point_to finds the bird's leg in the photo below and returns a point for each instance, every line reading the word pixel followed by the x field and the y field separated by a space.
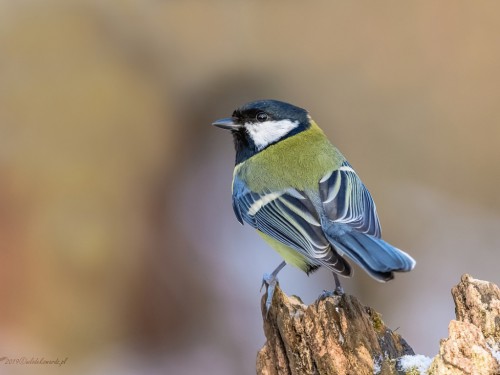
pixel 338 287
pixel 339 291
pixel 270 281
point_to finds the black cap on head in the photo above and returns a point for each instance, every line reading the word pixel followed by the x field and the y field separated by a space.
pixel 274 109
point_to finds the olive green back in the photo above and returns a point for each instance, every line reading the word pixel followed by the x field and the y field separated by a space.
pixel 299 161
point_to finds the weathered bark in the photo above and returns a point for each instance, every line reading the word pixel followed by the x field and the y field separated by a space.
pixel 338 335
pixel 335 335
pixel 474 338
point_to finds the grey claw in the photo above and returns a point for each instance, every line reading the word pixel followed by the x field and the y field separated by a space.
pixel 338 286
pixel 326 294
pixel 270 281
pixel 270 294
pixel 339 291
pixel 265 280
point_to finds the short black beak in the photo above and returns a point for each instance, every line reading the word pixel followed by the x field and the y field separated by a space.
pixel 226 123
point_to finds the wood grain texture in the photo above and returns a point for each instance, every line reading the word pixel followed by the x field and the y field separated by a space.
pixel 337 335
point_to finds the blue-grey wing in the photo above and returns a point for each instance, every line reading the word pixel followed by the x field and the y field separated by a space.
pixel 347 201
pixel 290 217
pixel 351 225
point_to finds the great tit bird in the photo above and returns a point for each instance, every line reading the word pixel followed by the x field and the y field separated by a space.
pixel 303 197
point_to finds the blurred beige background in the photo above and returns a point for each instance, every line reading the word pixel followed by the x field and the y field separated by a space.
pixel 118 245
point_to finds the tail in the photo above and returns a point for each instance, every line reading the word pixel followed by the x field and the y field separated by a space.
pixel 373 254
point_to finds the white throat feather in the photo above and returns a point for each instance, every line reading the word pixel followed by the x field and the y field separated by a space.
pixel 265 133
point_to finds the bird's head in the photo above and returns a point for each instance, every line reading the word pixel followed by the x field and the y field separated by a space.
pixel 260 124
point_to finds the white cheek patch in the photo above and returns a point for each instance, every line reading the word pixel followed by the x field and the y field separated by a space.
pixel 265 133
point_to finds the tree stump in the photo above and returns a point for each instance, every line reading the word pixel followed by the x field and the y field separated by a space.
pixel 474 338
pixel 338 335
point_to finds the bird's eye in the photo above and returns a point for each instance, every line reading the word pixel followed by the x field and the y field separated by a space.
pixel 261 117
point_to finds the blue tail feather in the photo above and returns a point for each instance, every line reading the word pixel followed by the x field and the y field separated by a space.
pixel 373 254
